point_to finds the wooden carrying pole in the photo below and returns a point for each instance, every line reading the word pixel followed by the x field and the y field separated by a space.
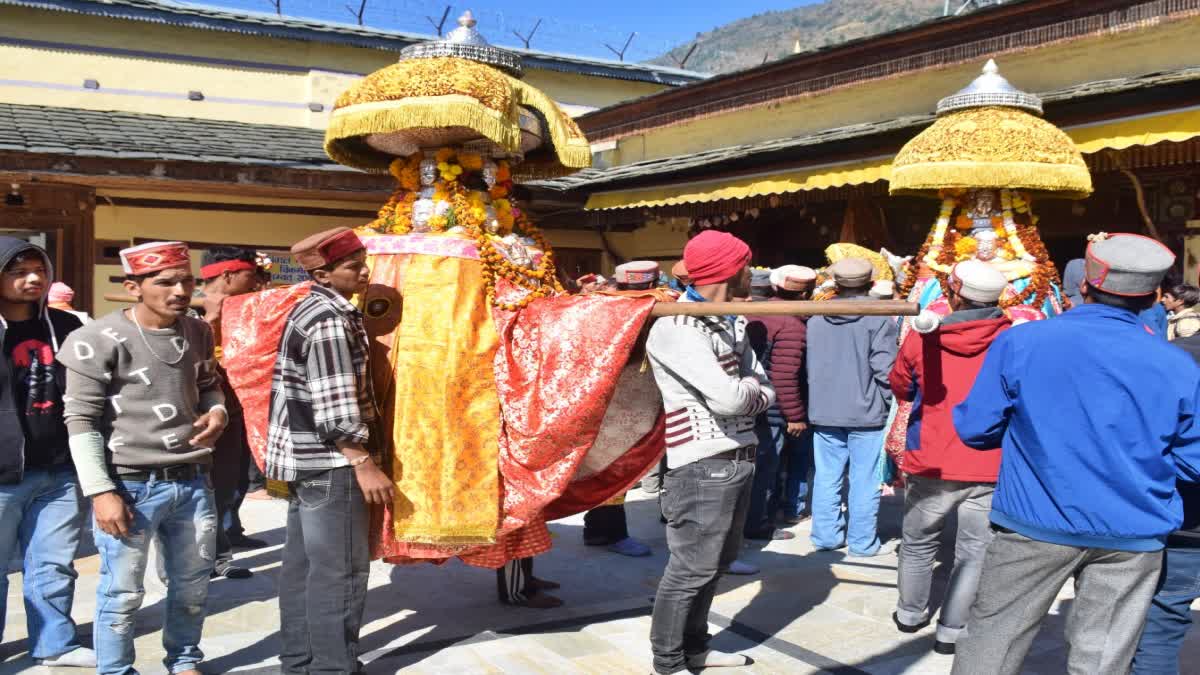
pixel 788 308
pixel 826 308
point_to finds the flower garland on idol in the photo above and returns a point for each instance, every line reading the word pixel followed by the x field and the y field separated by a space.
pixel 1012 244
pixel 457 191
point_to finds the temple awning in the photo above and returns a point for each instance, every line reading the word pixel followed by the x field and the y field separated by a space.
pixel 1169 125
pixel 818 177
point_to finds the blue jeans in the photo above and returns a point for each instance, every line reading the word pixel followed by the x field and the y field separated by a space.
pixel 833 449
pixel 43 514
pixel 1170 614
pixel 796 463
pixel 773 440
pixel 182 515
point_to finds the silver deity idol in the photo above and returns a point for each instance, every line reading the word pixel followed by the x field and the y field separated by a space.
pixel 422 211
pixel 985 248
pixel 429 171
pixel 489 173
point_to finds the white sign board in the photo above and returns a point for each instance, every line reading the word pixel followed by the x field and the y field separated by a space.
pixel 284 270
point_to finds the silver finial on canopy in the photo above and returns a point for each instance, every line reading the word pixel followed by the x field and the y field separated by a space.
pixel 990 89
pixel 466 34
pixel 465 42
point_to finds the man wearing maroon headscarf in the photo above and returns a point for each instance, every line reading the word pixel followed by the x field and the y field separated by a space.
pixel 713 387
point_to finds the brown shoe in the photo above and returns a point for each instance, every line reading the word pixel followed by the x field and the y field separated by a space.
pixel 536 584
pixel 539 601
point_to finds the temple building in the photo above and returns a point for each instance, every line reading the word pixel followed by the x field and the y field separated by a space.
pixel 130 120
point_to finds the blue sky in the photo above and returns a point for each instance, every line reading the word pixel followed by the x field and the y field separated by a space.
pixel 568 26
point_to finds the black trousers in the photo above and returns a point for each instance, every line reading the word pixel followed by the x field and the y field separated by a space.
pixel 512 581
pixel 605 525
pixel 230 479
pixel 323 582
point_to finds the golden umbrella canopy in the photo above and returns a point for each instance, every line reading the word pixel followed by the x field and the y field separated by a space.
pixel 989 135
pixel 460 91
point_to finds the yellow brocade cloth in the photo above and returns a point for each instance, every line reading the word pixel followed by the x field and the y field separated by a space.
pixel 445 415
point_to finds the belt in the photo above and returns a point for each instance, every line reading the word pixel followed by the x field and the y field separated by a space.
pixel 737 454
pixel 176 472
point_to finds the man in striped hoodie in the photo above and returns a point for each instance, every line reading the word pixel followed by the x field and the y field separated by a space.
pixel 712 387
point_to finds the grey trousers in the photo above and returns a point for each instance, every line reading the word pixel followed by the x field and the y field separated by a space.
pixel 705 505
pixel 1021 578
pixel 927 503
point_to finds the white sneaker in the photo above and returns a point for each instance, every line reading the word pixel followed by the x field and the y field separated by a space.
pixel 80 657
pixel 742 568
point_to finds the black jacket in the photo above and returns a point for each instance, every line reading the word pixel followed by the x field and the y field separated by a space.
pixel 59 324
pixel 1188 535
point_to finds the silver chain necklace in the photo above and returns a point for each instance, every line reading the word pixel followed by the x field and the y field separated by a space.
pixel 133 314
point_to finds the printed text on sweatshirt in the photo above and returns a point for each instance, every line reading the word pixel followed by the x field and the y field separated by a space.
pixel 119 385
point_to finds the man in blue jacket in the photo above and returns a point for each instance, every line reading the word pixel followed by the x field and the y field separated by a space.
pixel 849 359
pixel 1097 418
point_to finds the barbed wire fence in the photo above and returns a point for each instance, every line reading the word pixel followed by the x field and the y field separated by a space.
pixel 500 28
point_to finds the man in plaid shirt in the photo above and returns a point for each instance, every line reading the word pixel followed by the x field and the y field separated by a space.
pixel 322 409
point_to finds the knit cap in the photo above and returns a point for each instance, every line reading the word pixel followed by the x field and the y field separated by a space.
pixel 60 293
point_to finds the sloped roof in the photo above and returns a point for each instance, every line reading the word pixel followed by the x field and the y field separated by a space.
pixel 207 17
pixel 122 135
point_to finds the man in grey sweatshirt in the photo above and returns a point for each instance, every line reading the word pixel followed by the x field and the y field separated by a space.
pixel 144 407
pixel 712 387
pixel 849 359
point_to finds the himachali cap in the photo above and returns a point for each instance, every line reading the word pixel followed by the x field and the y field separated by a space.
pixel 852 272
pixel 155 256
pixel 760 277
pixel 978 281
pixel 637 272
pixel 326 247
pixel 1126 264
pixel 793 277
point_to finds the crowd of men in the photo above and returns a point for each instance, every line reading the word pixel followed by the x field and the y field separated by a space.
pixel 1065 449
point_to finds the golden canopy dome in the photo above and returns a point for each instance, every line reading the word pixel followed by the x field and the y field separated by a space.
pixel 454 93
pixel 985 137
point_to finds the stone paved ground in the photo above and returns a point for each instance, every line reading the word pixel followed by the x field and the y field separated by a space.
pixel 807 612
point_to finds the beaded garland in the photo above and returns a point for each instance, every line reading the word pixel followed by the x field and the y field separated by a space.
pixel 469 211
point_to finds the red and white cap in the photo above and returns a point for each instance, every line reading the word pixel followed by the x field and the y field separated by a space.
pixel 326 247
pixel 637 272
pixel 155 256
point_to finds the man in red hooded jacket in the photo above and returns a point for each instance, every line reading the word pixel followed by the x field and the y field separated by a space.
pixel 936 371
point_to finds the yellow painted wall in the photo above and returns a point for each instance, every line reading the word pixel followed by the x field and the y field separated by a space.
pixel 663 237
pixel 160 86
pixel 1150 49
